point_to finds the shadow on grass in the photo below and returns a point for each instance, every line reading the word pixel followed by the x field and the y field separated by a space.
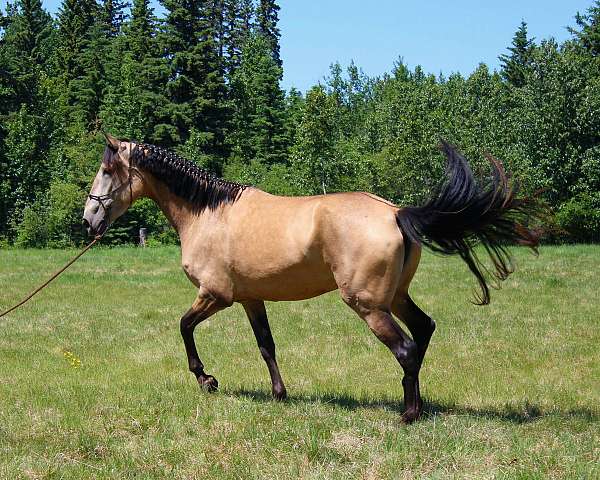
pixel 518 414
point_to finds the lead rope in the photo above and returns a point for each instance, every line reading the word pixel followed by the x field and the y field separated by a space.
pixel 100 199
pixel 56 274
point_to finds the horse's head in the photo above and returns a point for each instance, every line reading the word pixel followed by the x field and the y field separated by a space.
pixel 115 187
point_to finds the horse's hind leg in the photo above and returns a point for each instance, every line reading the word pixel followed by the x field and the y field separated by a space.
pixel 420 325
pixel 257 315
pixel 385 328
pixel 203 307
pixel 404 349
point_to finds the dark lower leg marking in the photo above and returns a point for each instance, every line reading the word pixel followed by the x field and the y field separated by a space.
pixel 260 326
pixel 201 310
pixel 420 325
pixel 406 352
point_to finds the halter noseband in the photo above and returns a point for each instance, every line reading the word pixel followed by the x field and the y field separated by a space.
pixel 108 196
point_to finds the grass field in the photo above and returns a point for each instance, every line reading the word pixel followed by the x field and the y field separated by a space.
pixel 94 380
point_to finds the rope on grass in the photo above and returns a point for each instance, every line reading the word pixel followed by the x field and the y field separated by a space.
pixel 56 274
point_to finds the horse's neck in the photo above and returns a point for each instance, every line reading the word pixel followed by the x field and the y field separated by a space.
pixel 178 211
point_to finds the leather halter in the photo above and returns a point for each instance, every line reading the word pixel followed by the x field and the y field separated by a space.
pixel 108 196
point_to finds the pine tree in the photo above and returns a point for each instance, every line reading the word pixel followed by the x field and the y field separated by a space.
pixel 114 16
pixel 588 33
pixel 177 38
pixel 25 125
pixel 32 26
pixel 75 18
pixel 141 30
pixel 259 115
pixel 267 17
pixel 25 39
pixel 231 45
pixel 133 104
pixel 247 12
pixel 218 26
pixel 86 91
pixel 81 57
pixel 238 24
pixel 196 87
pixel 211 114
pixel 515 65
pixel 111 22
pixel 259 130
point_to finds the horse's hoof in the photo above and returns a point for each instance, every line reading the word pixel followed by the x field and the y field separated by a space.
pixel 280 395
pixel 208 383
pixel 410 416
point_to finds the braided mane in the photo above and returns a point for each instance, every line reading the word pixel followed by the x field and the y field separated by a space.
pixel 184 178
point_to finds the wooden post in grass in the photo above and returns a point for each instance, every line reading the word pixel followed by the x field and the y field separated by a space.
pixel 143 234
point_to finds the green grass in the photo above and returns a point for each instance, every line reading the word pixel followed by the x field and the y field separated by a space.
pixel 512 390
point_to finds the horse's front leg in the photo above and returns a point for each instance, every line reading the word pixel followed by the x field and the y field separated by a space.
pixel 203 307
pixel 257 315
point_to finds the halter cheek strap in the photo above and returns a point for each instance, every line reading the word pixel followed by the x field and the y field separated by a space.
pixel 108 196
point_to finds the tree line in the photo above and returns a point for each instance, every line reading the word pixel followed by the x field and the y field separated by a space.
pixel 204 80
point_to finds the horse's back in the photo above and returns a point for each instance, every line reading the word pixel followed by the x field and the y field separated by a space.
pixel 321 222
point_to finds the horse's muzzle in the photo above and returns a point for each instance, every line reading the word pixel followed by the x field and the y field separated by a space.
pixel 93 232
pixel 88 228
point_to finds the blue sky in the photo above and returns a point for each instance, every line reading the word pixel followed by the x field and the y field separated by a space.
pixel 442 36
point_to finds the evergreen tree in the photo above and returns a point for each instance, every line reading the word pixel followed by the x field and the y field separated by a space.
pixel 75 18
pixel 81 56
pixel 141 31
pixel 218 26
pixel 588 33
pixel 516 64
pixel 294 106
pixel 259 115
pixel 31 28
pixel 196 86
pixel 28 28
pixel 133 104
pixel 238 24
pixel 24 126
pixel 114 16
pixel 267 17
pixel 210 109
pixel 87 91
pixel 247 13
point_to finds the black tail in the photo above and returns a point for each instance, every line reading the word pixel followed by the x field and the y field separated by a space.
pixel 465 213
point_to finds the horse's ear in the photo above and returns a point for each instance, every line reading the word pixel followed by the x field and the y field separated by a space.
pixel 108 159
pixel 111 141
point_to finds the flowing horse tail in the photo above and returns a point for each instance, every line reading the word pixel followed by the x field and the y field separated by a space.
pixel 465 213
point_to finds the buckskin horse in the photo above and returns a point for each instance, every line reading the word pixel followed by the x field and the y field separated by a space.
pixel 241 244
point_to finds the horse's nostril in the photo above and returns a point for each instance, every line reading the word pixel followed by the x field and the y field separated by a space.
pixel 88 227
